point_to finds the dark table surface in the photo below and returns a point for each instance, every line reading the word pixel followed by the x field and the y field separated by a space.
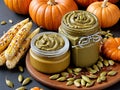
pixel 6 14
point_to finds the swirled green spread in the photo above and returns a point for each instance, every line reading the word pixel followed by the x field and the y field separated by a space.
pixel 79 20
pixel 49 42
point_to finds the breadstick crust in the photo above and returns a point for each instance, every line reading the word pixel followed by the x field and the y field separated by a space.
pixel 17 40
pixel 8 36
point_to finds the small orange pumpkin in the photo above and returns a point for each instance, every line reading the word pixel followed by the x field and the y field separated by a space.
pixel 48 13
pixel 112 1
pixel 108 14
pixel 111 48
pixel 84 3
pixel 18 6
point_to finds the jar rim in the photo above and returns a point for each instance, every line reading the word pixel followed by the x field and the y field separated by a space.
pixel 44 53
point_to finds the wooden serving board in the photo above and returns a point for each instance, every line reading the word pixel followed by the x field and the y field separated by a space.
pixel 44 79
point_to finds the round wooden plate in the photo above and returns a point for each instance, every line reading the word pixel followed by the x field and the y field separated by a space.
pixel 44 79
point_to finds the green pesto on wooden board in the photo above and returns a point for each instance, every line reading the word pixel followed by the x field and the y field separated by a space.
pixel 82 29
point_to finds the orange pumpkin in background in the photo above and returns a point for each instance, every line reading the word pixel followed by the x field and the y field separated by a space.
pixel 112 1
pixel 108 14
pixel 48 13
pixel 84 3
pixel 18 6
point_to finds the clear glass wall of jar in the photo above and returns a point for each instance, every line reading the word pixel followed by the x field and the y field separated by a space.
pixel 49 61
pixel 82 29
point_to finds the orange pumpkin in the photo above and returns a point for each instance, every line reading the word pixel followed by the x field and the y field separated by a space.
pixel 84 3
pixel 18 6
pixel 48 13
pixel 108 14
pixel 111 48
pixel 112 1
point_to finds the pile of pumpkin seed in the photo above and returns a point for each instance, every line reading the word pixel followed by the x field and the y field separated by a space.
pixel 21 79
pixel 87 77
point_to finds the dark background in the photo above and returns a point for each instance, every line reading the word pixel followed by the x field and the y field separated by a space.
pixel 6 14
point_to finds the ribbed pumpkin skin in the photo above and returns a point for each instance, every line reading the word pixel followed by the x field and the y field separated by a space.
pixel 18 6
pixel 85 3
pixel 107 16
pixel 49 16
pixel 111 48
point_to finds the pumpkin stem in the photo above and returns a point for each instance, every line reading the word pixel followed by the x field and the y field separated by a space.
pixel 51 2
pixel 104 3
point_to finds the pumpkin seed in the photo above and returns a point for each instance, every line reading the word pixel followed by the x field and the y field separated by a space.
pixel 26 81
pixel 61 79
pixel 70 79
pixel 77 70
pixel 21 88
pixel 92 76
pixel 20 78
pixel 10 21
pixel 54 77
pixel 111 62
pixel 112 73
pixel 91 70
pixel 69 83
pixel 96 67
pixel 100 64
pixel 3 22
pixel 9 83
pixel 64 74
pixel 98 80
pixel 106 63
pixel 76 83
pixel 83 82
pixel 101 59
pixel 103 78
pixel 69 70
pixel 20 68
pixel 103 73
pixel 90 84
pixel 86 78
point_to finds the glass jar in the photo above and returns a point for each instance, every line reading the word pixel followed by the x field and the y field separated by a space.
pixel 82 29
pixel 49 61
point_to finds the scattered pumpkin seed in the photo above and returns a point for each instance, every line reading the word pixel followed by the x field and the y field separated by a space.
pixel 54 77
pixel 106 63
pixel 104 73
pixel 98 80
pixel 9 83
pixel 83 82
pixel 69 83
pixel 21 88
pixel 20 68
pixel 20 78
pixel 61 79
pixel 112 73
pixel 101 59
pixel 90 84
pixel 92 76
pixel 91 70
pixel 26 81
pixel 103 78
pixel 96 67
pixel 86 78
pixel 77 70
pixel 76 83
pixel 64 74
pixel 69 70
pixel 3 22
pixel 111 62
pixel 100 64
pixel 10 21
pixel 70 79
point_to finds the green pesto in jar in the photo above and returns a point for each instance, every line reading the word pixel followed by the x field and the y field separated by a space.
pixel 49 42
pixel 82 29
